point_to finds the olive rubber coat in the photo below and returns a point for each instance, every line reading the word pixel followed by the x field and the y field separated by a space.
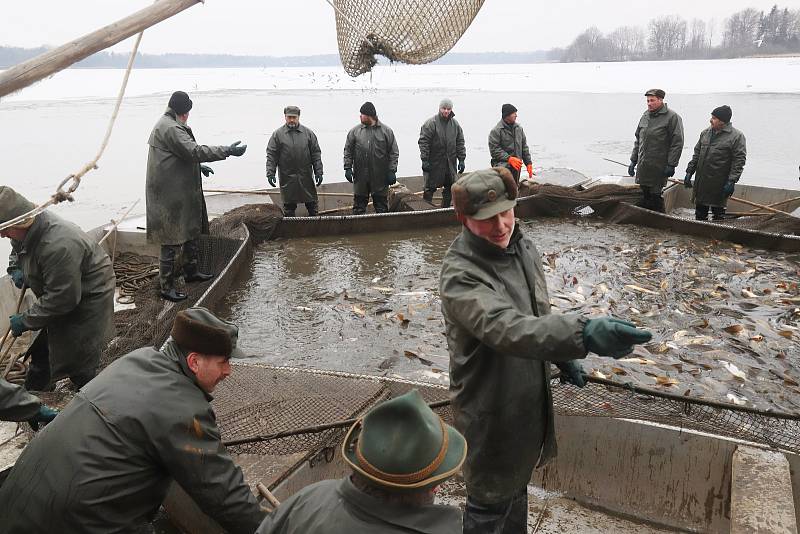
pixel 295 153
pixel 176 208
pixel 441 143
pixel 506 140
pixel 372 153
pixel 659 142
pixel 338 507
pixel 718 158
pixel 501 336
pixel 74 282
pixel 104 465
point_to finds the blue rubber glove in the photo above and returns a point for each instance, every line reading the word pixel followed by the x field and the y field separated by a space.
pixel 348 174
pixel 318 179
pixel 17 276
pixel 461 166
pixel 272 182
pixel 669 171
pixel 687 182
pixel 17 325
pixel 426 166
pixel 391 178
pixel 45 415
pixel 571 373
pixel 206 170
pixel 607 336
pixel 235 149
pixel 728 189
pixel 632 168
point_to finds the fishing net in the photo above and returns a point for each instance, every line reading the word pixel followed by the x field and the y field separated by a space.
pixel 409 31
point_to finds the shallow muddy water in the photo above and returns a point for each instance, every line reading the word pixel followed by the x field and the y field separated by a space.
pixel 725 318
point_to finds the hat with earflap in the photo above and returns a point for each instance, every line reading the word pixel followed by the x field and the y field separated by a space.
pixel 198 330
pixel 12 205
pixel 485 193
pixel 401 444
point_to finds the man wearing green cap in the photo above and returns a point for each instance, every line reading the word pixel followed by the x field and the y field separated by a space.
pixel 106 462
pixel 176 208
pixel 501 336
pixel 293 150
pixel 657 149
pixel 72 277
pixel 719 158
pixel 399 453
pixel 443 153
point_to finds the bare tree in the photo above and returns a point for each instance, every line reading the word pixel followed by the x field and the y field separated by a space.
pixel 591 45
pixel 626 43
pixel 741 29
pixel 667 35
pixel 696 41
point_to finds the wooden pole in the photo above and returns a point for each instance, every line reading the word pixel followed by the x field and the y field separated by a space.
pixel 749 203
pixel 325 212
pixel 781 203
pixel 259 192
pixel 44 65
pixel 116 223
pixel 13 339
pixel 262 489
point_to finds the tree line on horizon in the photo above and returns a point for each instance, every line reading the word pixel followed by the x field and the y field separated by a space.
pixel 745 33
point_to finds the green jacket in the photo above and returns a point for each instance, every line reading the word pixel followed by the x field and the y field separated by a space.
pixel 176 208
pixel 659 142
pixel 338 507
pixel 104 465
pixel 371 151
pixel 295 152
pixel 441 143
pixel 74 281
pixel 16 404
pixel 507 140
pixel 718 158
pixel 501 336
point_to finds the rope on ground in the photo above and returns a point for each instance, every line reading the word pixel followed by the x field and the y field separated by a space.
pixel 74 180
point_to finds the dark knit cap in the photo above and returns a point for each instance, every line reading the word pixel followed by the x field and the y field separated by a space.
pixel 180 103
pixel 507 110
pixel 368 109
pixel 198 330
pixel 723 113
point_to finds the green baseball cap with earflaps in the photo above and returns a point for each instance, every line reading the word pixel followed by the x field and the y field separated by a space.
pixel 485 193
pixel 12 204
pixel 402 444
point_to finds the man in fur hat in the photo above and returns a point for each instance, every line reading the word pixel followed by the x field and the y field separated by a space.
pixel 501 338
pixel 508 145
pixel 399 453
pixel 106 462
pixel 443 153
pixel 72 277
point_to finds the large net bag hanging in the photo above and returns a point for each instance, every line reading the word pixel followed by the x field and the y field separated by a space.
pixel 409 31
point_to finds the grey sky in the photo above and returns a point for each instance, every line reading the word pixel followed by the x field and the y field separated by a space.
pixel 302 27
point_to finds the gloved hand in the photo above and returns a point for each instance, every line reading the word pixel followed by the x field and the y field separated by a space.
pixel 235 149
pixel 426 166
pixel 348 174
pixel 461 166
pixel 607 336
pixel 687 182
pixel 318 178
pixel 571 373
pixel 632 168
pixel 206 170
pixel 515 163
pixel 669 171
pixel 272 182
pixel 529 168
pixel 45 415
pixel 17 325
pixel 17 277
pixel 729 188
pixel 391 178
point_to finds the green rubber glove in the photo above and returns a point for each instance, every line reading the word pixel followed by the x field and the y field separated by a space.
pixel 17 277
pixel 613 337
pixel 44 415
pixel 571 373
pixel 235 149
pixel 206 170
pixel 18 326
pixel 348 175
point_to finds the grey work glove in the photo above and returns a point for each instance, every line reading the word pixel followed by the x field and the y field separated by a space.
pixel 632 168
pixel 571 373
pixel 206 170
pixel 607 336
pixel 236 149
pixel 272 182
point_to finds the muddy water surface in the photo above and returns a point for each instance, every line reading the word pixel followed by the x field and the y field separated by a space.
pixel 725 318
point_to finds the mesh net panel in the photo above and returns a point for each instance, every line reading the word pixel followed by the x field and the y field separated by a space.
pixel 409 31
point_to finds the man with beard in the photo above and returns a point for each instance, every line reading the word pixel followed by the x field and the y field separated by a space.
pixel 441 146
pixel 294 151
pixel 508 145
pixel 370 161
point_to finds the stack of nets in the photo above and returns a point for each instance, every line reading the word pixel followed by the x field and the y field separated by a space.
pixel 550 200
pixel 409 31
pixel 260 219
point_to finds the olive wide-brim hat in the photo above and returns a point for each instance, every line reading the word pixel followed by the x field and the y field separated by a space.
pixel 401 444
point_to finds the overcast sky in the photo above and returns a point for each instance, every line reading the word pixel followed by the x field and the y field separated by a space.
pixel 303 27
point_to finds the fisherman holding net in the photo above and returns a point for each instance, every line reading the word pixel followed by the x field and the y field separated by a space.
pixel 501 336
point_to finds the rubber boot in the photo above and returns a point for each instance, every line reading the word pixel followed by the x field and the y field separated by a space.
pixel 166 273
pixel 447 197
pixel 427 195
pixel 38 375
pixel 191 260
pixel 312 208
pixel 381 204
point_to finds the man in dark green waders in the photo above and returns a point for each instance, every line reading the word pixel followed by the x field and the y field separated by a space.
pixel 501 337
pixel 72 277
pixel 106 462
pixel 399 453
pixel 176 208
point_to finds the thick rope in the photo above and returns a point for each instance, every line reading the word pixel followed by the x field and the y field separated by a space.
pixel 75 179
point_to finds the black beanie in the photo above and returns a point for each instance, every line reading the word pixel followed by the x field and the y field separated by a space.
pixel 723 113
pixel 180 103
pixel 507 110
pixel 368 109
